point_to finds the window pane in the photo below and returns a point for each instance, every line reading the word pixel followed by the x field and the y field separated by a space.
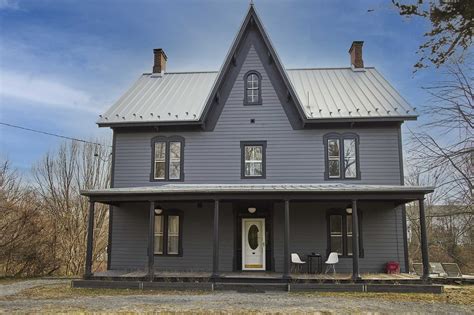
pixel 349 224
pixel 160 151
pixel 349 245
pixel 160 160
pixel 335 224
pixel 175 151
pixel 333 148
pixel 350 164
pixel 160 170
pixel 158 234
pixel 253 153
pixel 350 168
pixel 173 234
pixel 334 168
pixel 336 244
pixel 253 169
pixel 175 170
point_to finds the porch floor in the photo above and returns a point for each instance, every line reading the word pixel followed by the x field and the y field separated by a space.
pixel 124 275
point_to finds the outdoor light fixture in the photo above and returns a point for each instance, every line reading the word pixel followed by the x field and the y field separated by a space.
pixel 158 210
pixel 252 210
pixel 349 210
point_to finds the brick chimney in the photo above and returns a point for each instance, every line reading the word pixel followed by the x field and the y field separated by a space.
pixel 356 55
pixel 159 65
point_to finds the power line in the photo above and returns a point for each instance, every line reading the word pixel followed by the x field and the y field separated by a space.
pixel 49 133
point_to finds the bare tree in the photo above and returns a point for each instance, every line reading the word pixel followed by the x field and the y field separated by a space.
pixel 441 154
pixel 24 234
pixel 59 178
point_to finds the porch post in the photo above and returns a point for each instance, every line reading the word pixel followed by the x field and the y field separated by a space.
pixel 424 241
pixel 151 241
pixel 355 242
pixel 286 250
pixel 215 253
pixel 90 241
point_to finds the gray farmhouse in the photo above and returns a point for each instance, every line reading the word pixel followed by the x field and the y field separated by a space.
pixel 232 171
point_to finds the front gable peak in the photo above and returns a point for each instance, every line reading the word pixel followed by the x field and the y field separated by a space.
pixel 252 27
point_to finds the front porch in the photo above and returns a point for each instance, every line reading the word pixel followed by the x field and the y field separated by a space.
pixel 257 282
pixel 295 220
pixel 254 277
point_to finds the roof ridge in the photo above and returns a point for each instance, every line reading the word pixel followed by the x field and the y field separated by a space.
pixel 324 68
pixel 287 69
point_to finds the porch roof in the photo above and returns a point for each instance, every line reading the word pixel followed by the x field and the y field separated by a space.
pixel 274 191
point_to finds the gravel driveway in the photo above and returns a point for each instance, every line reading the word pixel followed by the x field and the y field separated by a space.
pixel 227 301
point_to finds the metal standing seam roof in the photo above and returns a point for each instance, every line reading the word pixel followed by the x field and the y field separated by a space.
pixel 324 93
pixel 259 188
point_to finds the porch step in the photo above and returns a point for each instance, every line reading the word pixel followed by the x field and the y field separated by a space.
pixel 251 287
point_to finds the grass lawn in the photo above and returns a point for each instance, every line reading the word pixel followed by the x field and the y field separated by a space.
pixel 63 291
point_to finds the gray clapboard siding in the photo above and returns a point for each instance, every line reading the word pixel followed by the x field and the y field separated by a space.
pixel 129 238
pixel 381 232
pixel 293 156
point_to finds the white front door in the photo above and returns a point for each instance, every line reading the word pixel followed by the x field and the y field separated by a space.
pixel 253 244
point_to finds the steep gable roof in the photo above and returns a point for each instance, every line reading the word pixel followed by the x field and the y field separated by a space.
pixel 319 95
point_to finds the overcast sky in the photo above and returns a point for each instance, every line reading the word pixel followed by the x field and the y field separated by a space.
pixel 64 62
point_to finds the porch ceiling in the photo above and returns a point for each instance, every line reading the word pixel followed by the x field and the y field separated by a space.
pixel 401 194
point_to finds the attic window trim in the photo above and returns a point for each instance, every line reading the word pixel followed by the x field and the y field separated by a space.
pixel 167 142
pixel 258 101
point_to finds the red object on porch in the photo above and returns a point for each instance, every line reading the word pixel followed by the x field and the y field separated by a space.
pixel 392 267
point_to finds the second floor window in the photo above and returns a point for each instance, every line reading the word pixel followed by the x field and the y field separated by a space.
pixel 167 160
pixel 342 153
pixel 252 82
pixel 253 159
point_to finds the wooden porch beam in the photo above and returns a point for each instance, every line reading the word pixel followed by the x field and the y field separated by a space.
pixel 286 249
pixel 151 242
pixel 215 252
pixel 355 242
pixel 424 241
pixel 90 241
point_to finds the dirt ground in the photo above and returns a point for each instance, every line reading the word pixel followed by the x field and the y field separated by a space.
pixel 56 296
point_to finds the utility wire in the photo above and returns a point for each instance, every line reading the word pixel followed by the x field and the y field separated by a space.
pixel 49 133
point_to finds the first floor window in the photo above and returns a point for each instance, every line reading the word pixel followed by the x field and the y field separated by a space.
pixel 342 156
pixel 168 234
pixel 340 233
pixel 253 159
pixel 168 159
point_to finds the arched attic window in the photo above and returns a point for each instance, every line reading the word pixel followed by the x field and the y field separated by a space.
pixel 253 88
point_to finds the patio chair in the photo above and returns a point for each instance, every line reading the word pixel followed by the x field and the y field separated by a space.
pixel 436 270
pixel 296 262
pixel 452 270
pixel 333 259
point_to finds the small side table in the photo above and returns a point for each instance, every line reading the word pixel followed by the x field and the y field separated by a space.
pixel 318 259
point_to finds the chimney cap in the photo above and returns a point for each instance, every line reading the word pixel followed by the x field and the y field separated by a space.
pixel 356 43
pixel 160 51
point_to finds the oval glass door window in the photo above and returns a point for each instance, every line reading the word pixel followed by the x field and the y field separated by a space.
pixel 253 237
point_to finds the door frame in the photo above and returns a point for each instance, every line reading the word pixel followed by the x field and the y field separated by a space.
pixel 244 241
pixel 264 210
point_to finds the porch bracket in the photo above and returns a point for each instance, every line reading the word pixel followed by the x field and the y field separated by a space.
pixel 90 241
pixel 355 243
pixel 151 242
pixel 424 241
pixel 286 249
pixel 215 252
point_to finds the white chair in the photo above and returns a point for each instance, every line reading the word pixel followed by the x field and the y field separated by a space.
pixel 297 262
pixel 333 259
